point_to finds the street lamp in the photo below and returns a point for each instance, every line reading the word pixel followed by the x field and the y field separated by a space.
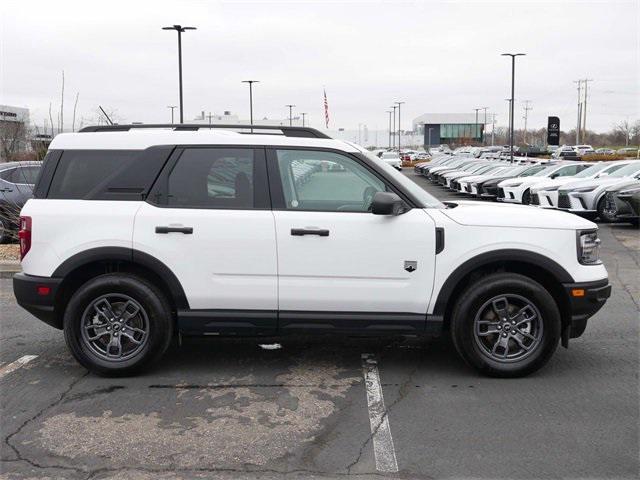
pixel 290 114
pixel 485 125
pixel 389 112
pixel 304 114
pixel 399 129
pixel 394 124
pixel 172 107
pixel 180 29
pixel 513 80
pixel 251 82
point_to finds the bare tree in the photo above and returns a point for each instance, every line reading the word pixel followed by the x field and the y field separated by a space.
pixel 75 106
pixel 624 128
pixel 61 128
pixel 13 137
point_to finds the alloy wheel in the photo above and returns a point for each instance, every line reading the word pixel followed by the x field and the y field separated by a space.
pixel 508 328
pixel 115 327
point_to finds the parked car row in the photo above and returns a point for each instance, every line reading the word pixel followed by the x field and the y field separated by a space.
pixel 605 190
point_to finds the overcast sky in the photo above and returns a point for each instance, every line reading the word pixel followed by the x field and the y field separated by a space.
pixel 436 56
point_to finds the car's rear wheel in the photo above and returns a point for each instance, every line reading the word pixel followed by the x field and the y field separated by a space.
pixel 117 324
pixel 506 326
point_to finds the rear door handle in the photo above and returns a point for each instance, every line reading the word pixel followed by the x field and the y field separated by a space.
pixel 298 232
pixel 185 230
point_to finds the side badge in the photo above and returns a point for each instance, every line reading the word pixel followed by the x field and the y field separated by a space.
pixel 410 265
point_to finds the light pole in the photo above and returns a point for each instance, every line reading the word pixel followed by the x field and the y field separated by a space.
pixel 399 129
pixel 180 29
pixel 172 107
pixel 485 125
pixel 513 81
pixel 251 82
pixel 509 122
pixel 304 114
pixel 476 132
pixel 394 125
pixel 290 114
pixel 389 112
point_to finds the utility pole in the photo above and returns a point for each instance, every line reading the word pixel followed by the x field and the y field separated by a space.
pixel 290 114
pixel 389 112
pixel 579 82
pixel 209 117
pixel 493 128
pixel 394 125
pixel 584 110
pixel 303 115
pixel 525 116
pixel 399 129
pixel 180 29
pixel 172 107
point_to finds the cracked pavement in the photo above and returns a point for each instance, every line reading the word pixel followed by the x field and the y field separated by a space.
pixel 226 408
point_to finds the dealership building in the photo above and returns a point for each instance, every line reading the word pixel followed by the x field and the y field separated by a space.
pixel 451 128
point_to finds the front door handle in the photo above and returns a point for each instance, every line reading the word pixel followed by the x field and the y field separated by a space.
pixel 185 230
pixel 298 232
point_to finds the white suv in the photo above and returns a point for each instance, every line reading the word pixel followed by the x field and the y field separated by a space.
pixel 139 234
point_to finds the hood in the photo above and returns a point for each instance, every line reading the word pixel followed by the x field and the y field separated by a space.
pixel 523 180
pixel 519 216
pixel 549 183
pixel 476 178
pixel 591 182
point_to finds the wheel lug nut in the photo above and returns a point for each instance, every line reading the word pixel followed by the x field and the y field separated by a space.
pixel 504 334
pixel 499 327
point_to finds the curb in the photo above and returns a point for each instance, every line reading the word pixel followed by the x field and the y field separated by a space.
pixel 8 273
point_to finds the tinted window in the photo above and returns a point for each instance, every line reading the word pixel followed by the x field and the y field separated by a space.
pixel 26 175
pixel 570 170
pixel 326 181
pixel 81 171
pixel 213 178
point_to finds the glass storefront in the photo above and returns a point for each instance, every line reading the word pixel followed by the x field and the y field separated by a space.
pixel 461 130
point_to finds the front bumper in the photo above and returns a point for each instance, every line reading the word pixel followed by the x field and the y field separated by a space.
pixel 585 299
pixel 30 294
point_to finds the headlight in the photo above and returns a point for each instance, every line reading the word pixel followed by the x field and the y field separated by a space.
pixel 514 185
pixel 550 189
pixel 588 247
pixel 584 189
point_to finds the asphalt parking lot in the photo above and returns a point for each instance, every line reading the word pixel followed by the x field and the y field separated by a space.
pixel 306 407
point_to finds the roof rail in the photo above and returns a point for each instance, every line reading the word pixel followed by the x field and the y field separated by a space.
pixel 244 129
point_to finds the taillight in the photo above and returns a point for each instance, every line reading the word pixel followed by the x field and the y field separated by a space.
pixel 24 234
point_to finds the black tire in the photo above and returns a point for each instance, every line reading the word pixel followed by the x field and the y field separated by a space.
pixel 154 317
pixel 604 214
pixel 466 317
pixel 4 234
pixel 526 197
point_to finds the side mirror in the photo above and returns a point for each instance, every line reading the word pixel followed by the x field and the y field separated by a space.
pixel 386 203
pixel 555 175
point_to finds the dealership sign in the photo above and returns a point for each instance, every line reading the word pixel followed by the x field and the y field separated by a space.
pixel 553 131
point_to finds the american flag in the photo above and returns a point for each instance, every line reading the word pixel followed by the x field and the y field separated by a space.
pixel 326 109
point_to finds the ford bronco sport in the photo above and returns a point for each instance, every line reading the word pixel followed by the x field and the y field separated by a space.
pixel 139 233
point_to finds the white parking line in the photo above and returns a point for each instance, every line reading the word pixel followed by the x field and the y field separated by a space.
pixel 7 369
pixel 383 448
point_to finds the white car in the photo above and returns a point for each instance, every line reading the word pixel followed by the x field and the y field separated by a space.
pixel 518 190
pixel 545 194
pixel 137 235
pixel 584 149
pixel 393 159
pixel 587 197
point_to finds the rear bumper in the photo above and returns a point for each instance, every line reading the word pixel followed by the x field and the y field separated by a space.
pixel 585 299
pixel 30 294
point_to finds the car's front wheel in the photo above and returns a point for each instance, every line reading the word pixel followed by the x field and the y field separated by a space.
pixel 605 213
pixel 117 324
pixel 508 325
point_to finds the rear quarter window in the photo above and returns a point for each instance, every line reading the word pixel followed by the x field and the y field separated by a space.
pixel 79 172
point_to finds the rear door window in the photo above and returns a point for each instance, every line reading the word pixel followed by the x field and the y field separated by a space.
pixel 80 171
pixel 215 178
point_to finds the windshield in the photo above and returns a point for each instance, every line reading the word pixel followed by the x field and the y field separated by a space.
pixel 627 171
pixel 409 185
pixel 592 170
pixel 529 171
pixel 544 172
